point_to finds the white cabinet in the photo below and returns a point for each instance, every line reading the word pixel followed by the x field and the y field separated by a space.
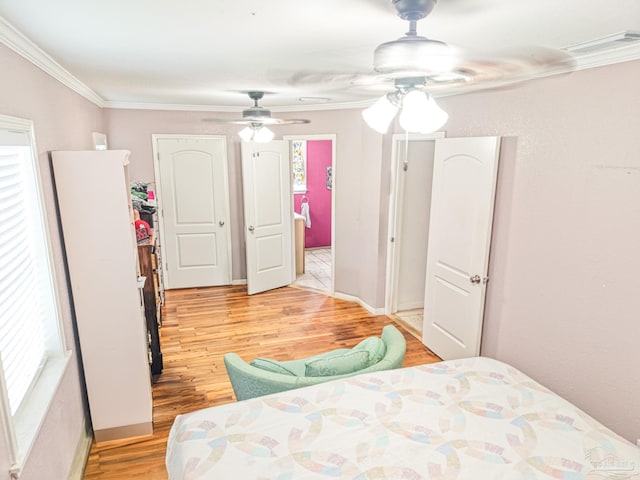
pixel 97 223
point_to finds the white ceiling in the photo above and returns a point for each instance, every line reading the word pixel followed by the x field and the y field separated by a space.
pixel 207 52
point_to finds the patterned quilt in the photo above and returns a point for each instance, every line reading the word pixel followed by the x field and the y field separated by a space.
pixel 466 419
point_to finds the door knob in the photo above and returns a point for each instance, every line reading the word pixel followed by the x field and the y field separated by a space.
pixel 221 223
pixel 251 229
pixel 475 279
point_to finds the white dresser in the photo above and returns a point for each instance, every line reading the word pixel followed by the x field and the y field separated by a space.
pixel 97 223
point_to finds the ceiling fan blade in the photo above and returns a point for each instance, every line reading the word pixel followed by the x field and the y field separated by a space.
pixel 462 71
pixel 256 116
pixel 466 70
pixel 331 80
pixel 512 66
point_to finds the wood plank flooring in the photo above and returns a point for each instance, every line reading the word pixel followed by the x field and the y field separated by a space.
pixel 202 324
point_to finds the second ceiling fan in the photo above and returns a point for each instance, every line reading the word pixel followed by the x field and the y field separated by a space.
pixel 256 119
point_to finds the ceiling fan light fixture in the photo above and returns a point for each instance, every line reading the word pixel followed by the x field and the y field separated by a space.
pixel 263 135
pixel 379 115
pixel 246 134
pixel 256 133
pixel 420 113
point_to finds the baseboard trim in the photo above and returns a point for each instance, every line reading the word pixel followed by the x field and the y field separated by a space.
pixel 410 306
pixel 359 301
pixel 82 454
pixel 242 281
pixel 123 432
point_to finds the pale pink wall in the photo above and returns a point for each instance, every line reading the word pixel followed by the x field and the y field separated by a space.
pixel 319 153
pixel 132 129
pixel 62 120
pixel 563 302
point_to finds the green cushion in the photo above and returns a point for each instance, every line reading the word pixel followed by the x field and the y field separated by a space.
pixel 349 362
pixel 296 367
pixel 271 366
pixel 375 347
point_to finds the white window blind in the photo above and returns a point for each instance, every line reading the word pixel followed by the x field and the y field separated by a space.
pixel 33 358
pixel 23 294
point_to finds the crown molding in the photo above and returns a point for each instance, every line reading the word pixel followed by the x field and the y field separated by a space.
pixel 20 44
pixel 168 106
pixel 234 109
pixel 621 54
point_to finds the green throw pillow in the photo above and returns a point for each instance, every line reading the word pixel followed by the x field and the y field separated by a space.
pixel 270 366
pixel 349 362
pixel 374 346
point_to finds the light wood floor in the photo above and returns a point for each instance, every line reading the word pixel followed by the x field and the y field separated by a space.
pixel 201 325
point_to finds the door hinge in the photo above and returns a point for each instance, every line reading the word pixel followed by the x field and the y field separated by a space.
pixel 393 239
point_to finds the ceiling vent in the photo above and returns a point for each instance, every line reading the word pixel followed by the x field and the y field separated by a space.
pixel 609 42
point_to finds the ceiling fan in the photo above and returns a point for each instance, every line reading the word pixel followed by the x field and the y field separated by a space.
pixel 440 64
pixel 414 67
pixel 256 118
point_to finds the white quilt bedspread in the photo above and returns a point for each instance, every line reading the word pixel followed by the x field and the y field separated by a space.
pixel 467 419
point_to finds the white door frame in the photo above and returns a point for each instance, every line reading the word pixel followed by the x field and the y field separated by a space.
pixel 395 214
pixel 158 185
pixel 332 137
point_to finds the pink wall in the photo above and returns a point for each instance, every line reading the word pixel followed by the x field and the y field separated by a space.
pixel 63 120
pixel 319 153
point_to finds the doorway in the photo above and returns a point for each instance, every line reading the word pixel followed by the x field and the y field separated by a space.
pixel 440 221
pixel 412 173
pixel 313 160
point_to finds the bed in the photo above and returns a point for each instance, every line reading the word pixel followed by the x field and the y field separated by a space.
pixel 475 419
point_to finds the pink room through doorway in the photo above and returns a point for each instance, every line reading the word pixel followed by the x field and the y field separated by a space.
pixel 317 195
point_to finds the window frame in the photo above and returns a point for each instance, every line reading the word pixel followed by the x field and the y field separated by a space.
pixel 21 429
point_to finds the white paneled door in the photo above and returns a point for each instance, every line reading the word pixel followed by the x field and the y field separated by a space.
pixel 268 215
pixel 194 201
pixel 464 182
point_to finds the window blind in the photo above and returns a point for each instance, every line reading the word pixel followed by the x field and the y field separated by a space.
pixel 22 242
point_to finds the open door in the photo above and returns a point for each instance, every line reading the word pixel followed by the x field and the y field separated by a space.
pixel 464 182
pixel 268 215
